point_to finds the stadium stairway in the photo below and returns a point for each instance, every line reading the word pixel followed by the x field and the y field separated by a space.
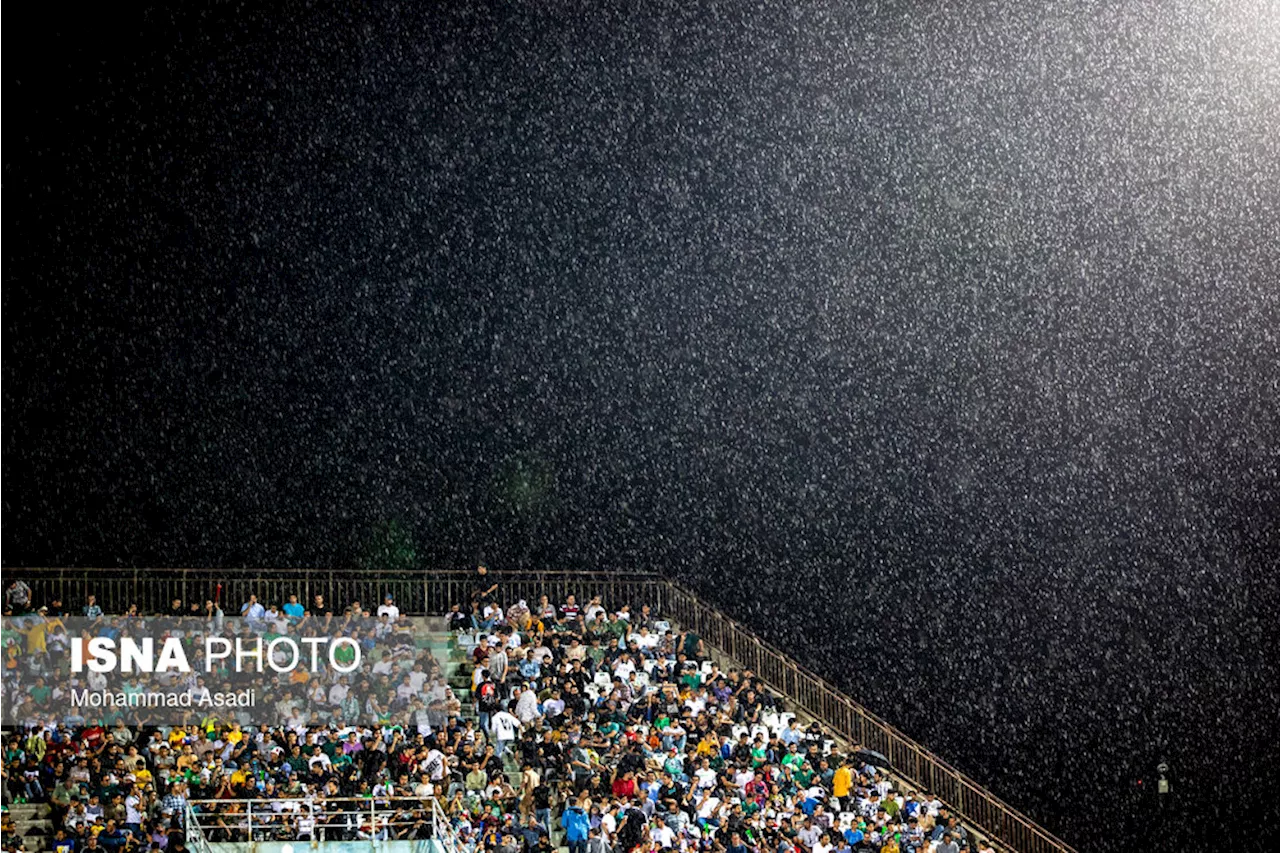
pixel 31 823
pixel 456 665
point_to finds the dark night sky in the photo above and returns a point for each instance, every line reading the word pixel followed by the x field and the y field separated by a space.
pixel 962 325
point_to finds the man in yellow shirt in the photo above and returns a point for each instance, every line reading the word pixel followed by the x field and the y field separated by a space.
pixel 842 782
pixel 37 633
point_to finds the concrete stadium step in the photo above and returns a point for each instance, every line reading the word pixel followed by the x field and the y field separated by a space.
pixel 31 820
pixel 28 810
pixel 35 827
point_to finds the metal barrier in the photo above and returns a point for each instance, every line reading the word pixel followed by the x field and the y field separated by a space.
pixel 433 592
pixel 418 593
pixel 318 819
pixel 195 835
pixel 978 806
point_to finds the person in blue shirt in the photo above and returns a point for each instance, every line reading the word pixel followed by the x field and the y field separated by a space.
pixel 576 827
pixel 112 838
pixel 294 610
pixel 530 667
pixel 92 610
pixel 253 611
pixel 63 844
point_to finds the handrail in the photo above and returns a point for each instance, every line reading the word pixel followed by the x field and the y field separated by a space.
pixel 443 829
pixel 194 832
pixel 825 702
pixel 372 813
pixel 432 592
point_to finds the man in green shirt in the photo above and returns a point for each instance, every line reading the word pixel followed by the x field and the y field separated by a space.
pixel 40 693
pixel 803 776
pixel 477 780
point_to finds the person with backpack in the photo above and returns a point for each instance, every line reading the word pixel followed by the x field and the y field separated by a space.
pixel 486 701
pixel 631 832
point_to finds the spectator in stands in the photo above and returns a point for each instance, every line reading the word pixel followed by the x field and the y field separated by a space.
pixel 506 728
pixel 293 610
pixel 17 598
pixel 486 587
pixel 253 613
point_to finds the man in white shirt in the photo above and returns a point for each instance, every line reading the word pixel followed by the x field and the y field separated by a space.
pixel 319 760
pixel 645 641
pixel 554 706
pixel 624 667
pixel 133 812
pixel 405 690
pixel 388 608
pixel 662 836
pixel 505 728
pixel 433 766
pixel 384 665
pixel 526 705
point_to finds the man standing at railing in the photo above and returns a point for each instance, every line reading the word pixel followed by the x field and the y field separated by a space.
pixel 92 611
pixel 322 614
pixel 17 598
pixel 253 612
pixel 486 588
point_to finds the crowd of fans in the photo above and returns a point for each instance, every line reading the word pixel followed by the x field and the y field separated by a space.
pixel 596 730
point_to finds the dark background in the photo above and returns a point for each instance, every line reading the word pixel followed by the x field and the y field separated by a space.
pixel 939 346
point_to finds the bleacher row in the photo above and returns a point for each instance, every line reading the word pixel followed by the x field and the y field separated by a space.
pixel 849 826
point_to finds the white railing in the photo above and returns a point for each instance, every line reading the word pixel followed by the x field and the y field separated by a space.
pixel 443 829
pixel 195 836
pixel 316 819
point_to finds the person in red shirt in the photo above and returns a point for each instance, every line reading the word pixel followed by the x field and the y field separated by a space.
pixel 624 786
pixel 93 736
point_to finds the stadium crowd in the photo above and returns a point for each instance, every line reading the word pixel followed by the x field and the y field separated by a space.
pixel 595 730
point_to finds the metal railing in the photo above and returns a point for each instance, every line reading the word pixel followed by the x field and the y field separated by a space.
pixel 909 760
pixel 417 593
pixel 316 819
pixel 195 835
pixel 433 592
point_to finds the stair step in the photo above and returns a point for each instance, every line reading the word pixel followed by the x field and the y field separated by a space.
pixel 22 810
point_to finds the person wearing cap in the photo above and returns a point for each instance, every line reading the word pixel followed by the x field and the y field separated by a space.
pixel 518 616
pixel 388 608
